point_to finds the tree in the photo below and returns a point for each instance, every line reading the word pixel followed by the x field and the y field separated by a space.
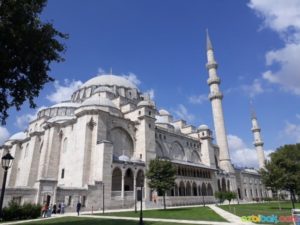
pixel 220 195
pixel 27 47
pixel 283 170
pixel 161 175
pixel 229 195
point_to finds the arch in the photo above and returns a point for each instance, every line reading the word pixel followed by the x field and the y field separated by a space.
pixel 177 151
pixel 195 193
pixel 160 152
pixel 204 192
pixel 140 178
pixel 199 190
pixel 195 158
pixel 228 185
pixel 223 184
pixel 188 189
pixel 116 179
pixel 128 180
pixel 181 189
pixel 122 142
pixel 209 190
pixel 176 190
pixel 219 185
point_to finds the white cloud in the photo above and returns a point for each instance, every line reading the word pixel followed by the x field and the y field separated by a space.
pixel 284 18
pixel 183 113
pixel 241 155
pixel 292 131
pixel 23 120
pixel 4 134
pixel 132 78
pixel 253 89
pixel 101 71
pixel 63 92
pixel 151 93
pixel 198 99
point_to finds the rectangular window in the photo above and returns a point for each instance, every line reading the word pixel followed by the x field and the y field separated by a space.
pixel 62 173
pixel 17 200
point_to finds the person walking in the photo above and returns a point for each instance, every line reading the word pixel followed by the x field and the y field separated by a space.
pixel 62 208
pixel 78 207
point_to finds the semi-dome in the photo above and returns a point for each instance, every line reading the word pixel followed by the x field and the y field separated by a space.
pixel 164 112
pixel 66 104
pixel 98 101
pixel 203 127
pixel 18 136
pixel 109 80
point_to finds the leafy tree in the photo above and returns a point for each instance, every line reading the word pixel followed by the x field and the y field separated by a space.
pixel 161 175
pixel 229 195
pixel 27 47
pixel 220 195
pixel 283 170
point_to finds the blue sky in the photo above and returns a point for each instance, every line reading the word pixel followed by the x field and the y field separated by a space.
pixel 161 46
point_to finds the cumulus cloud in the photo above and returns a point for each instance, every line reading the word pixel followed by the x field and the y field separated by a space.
pixel 242 155
pixel 151 93
pixel 284 18
pixel 253 89
pixel 292 131
pixel 4 134
pixel 198 99
pixel 23 120
pixel 183 113
pixel 63 92
pixel 132 78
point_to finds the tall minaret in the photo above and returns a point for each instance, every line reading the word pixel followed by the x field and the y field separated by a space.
pixel 216 97
pixel 258 143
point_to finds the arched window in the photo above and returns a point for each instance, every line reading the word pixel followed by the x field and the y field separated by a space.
pixel 204 192
pixel 209 190
pixel 181 189
pixel 188 189
pixel 223 184
pixel 122 142
pixel 116 184
pixel 128 180
pixel 195 189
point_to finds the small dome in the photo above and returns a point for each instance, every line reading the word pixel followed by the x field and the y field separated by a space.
pixel 123 158
pixel 98 100
pixel 109 80
pixel 18 136
pixel 66 104
pixel 164 112
pixel 146 103
pixel 203 127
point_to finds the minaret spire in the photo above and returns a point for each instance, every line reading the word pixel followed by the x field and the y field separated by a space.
pixel 208 41
pixel 215 98
pixel 258 143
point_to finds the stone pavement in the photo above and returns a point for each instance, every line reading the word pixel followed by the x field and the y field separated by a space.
pixel 231 218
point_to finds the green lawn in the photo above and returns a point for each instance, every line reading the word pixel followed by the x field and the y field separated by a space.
pixel 267 209
pixel 92 221
pixel 194 213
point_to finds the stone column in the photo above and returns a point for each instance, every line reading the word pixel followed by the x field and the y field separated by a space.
pixel 122 188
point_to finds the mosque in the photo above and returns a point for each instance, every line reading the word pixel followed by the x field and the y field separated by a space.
pixel 96 147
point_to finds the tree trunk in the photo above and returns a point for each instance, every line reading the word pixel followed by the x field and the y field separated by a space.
pixel 292 197
pixel 164 197
pixel 279 206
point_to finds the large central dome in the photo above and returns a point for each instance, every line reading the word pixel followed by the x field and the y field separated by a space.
pixel 109 80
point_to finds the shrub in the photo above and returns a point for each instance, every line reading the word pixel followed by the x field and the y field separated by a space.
pixel 14 211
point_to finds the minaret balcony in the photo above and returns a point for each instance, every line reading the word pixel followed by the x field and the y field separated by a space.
pixel 255 129
pixel 212 65
pixel 213 80
pixel 258 143
pixel 215 95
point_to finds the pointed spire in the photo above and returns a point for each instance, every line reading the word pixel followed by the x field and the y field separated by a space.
pixel 208 42
pixel 252 110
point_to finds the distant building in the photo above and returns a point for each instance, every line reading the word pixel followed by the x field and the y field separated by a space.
pixel 105 137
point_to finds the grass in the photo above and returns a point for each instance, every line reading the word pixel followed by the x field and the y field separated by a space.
pixel 92 221
pixel 267 209
pixel 194 213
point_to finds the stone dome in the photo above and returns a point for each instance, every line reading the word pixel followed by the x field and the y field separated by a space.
pixel 164 112
pixel 109 80
pixel 98 101
pixel 203 127
pixel 146 103
pixel 18 136
pixel 66 104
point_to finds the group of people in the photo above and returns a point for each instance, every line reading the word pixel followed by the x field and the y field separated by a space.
pixel 47 210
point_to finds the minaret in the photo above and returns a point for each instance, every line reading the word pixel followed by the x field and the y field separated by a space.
pixel 216 97
pixel 258 143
